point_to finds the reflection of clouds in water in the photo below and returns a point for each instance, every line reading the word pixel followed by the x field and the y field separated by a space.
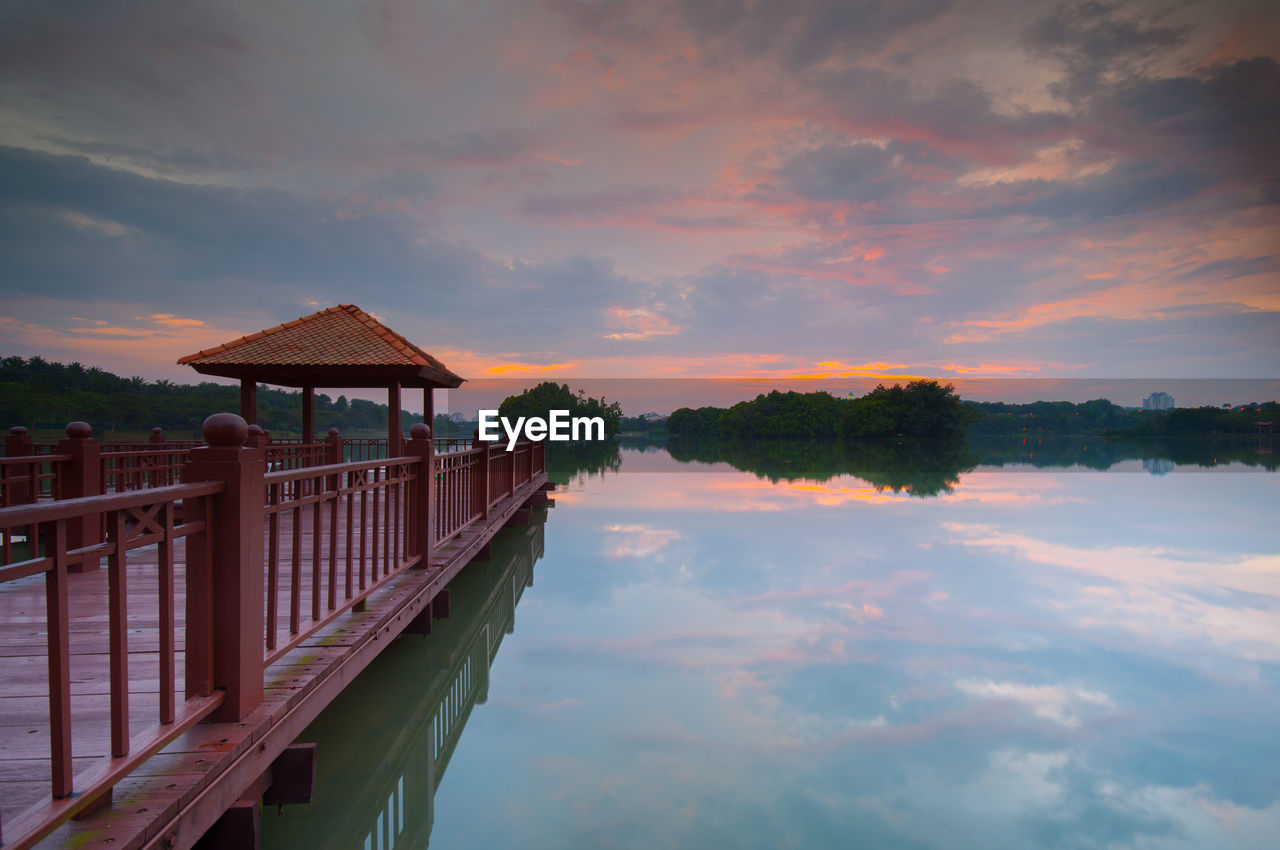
pixel 1064 704
pixel 1163 595
pixel 918 673
pixel 637 540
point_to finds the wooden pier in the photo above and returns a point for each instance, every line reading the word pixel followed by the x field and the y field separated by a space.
pixel 172 615
pixel 153 695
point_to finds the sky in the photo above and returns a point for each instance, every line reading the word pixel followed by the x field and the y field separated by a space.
pixel 765 190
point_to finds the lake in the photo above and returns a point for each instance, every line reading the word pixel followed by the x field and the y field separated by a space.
pixel 1010 645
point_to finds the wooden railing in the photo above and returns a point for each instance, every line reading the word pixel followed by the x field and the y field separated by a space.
pixel 277 554
pixel 142 467
pixel 459 492
pixel 24 480
pixel 296 455
pixel 175 520
pixel 354 519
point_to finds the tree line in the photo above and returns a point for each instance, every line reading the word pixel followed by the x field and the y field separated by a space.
pixel 39 393
pixel 922 408
pixel 43 394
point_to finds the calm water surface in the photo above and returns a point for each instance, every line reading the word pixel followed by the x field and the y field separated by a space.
pixel 1029 657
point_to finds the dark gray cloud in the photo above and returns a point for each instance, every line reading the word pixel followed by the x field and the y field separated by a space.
pixel 863 172
pixel 1225 120
pixel 486 146
pixel 78 231
pixel 116 64
pixel 611 202
pixel 1092 39
pixel 959 113
pixel 802 33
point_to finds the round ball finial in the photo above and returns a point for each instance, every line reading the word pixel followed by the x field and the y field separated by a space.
pixel 420 431
pixel 79 430
pixel 157 430
pixel 333 432
pixel 18 430
pixel 255 429
pixel 225 430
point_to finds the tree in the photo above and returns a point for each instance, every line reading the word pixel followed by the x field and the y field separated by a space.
pixel 548 396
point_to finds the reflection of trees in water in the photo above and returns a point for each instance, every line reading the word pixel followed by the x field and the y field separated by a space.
pixel 918 467
pixel 930 467
pixel 1099 453
pixel 566 461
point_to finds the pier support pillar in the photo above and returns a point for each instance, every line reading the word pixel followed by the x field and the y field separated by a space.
pixel 235 565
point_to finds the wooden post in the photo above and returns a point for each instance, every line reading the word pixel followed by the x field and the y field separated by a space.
pixel 334 454
pixel 249 400
pixel 18 443
pixel 157 435
pixel 257 438
pixel 335 446
pixel 235 561
pixel 482 484
pixel 422 528
pixel 17 491
pixel 429 408
pixel 395 437
pixel 308 412
pixel 80 477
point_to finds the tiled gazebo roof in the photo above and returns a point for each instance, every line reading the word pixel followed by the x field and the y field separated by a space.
pixel 340 346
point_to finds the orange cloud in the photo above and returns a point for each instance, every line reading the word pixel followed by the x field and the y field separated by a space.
pixel 526 368
pixel 638 323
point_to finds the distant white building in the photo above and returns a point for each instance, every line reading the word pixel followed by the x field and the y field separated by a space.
pixel 1158 401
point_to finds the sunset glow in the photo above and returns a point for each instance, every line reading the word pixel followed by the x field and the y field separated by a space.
pixel 619 190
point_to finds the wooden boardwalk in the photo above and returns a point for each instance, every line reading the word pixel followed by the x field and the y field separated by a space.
pixel 175 795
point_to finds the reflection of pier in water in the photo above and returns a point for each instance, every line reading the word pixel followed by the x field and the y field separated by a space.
pixel 385 743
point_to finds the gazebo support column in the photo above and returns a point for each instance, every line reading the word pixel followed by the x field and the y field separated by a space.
pixel 308 413
pixel 249 401
pixel 395 440
pixel 429 408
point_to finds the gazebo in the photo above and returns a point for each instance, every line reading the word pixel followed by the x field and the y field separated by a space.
pixel 340 346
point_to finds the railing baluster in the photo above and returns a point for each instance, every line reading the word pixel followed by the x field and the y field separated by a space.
pixel 59 659
pixel 117 627
pixel 364 531
pixel 349 498
pixel 167 672
pixel 373 479
pixel 333 543
pixel 273 562
pixel 317 560
pixel 295 566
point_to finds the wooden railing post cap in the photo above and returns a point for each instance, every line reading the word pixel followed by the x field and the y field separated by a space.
pixel 420 431
pixel 225 431
pixel 157 434
pixel 18 430
pixel 333 432
pixel 79 430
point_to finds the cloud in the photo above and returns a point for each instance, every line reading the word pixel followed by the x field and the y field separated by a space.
pixel 477 148
pixel 1067 705
pixel 637 540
